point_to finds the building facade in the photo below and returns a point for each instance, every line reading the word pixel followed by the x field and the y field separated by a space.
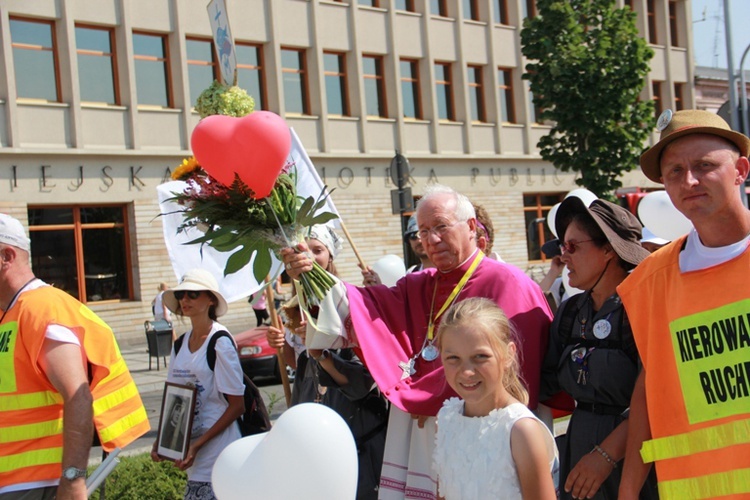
pixel 96 111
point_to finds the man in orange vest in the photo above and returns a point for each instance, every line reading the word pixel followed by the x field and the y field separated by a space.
pixel 61 376
pixel 689 306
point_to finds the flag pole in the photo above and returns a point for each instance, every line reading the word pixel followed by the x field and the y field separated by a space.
pixel 276 322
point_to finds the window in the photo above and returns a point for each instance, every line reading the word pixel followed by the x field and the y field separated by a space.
pixel 372 72
pixel 438 8
pixel 629 4
pixel 407 5
pixel 35 59
pixel 679 101
pixel 294 75
pixel 82 250
pixel 536 206
pixel 152 78
pixel 250 72
pixel 476 94
pixel 412 102
pixel 369 3
pixel 334 66
pixel 471 10
pixel 501 12
pixel 651 16
pixel 505 91
pixel 535 112
pixel 528 8
pixel 444 91
pixel 675 41
pixel 97 69
pixel 202 66
pixel 658 102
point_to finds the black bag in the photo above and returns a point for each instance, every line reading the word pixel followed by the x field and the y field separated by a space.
pixel 255 419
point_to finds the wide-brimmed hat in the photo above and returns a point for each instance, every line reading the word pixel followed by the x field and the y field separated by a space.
pixel 620 227
pixel 687 122
pixel 196 279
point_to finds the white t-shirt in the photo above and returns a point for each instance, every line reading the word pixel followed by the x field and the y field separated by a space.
pixel 191 368
pixel 159 308
pixel 697 256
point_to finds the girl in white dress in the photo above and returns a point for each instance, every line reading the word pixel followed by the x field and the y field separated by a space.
pixel 488 444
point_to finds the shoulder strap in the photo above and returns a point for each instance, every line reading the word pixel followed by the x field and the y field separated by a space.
pixel 211 349
pixel 569 313
pixel 178 343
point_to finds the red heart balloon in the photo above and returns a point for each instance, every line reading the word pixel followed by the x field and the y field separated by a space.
pixel 255 147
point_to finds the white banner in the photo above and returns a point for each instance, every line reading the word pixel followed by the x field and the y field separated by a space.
pixel 185 257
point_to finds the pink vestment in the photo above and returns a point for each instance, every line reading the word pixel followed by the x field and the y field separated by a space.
pixel 390 325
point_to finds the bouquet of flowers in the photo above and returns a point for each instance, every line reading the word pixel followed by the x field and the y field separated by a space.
pixel 235 219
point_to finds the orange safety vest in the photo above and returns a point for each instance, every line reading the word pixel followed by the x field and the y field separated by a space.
pixel 693 335
pixel 31 410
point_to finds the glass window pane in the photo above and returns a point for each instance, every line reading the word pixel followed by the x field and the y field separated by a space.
pixel 293 93
pixel 369 66
pixel 332 63
pixel 533 241
pixel 549 200
pixel 54 258
pixel 96 78
pixel 335 95
pixel 247 54
pixel 31 33
pixel 437 7
pixel 148 45
pixel 105 265
pixel 199 79
pixel 372 97
pixel 35 74
pixel 199 50
pixel 441 72
pixel 529 200
pixel 94 215
pixel 290 59
pixel 50 216
pixel 409 96
pixel 443 99
pixel 93 39
pixel 151 82
pixel 249 79
pixel 406 69
pixel 474 100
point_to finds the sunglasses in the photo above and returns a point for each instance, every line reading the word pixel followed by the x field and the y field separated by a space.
pixel 413 236
pixel 192 294
pixel 571 246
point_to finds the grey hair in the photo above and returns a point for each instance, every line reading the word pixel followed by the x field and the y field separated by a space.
pixel 464 208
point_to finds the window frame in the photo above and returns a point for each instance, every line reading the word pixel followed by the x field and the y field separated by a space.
pixel 214 63
pixel 539 210
pixel 478 89
pixel 674 31
pixel 343 78
pixel 530 8
pixel 448 84
pixel 415 84
pixel 652 28
pixel 164 60
pixel 442 6
pixel 112 56
pixel 78 227
pixel 501 13
pixel 509 90
pixel 370 3
pixel 260 68
pixel 473 10
pixel 379 77
pixel 409 4
pixel 679 96
pixel 304 79
pixel 53 49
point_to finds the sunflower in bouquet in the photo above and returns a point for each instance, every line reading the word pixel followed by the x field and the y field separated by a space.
pixel 234 210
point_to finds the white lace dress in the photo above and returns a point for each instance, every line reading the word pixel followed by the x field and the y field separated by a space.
pixel 472 454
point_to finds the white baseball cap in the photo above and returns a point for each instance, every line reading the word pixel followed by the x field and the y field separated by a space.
pixel 13 233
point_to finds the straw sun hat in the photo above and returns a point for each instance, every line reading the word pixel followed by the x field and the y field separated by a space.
pixel 196 279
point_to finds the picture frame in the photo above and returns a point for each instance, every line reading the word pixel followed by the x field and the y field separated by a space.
pixel 175 421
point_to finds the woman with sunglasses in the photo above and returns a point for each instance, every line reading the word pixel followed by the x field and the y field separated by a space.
pixel 591 354
pixel 219 400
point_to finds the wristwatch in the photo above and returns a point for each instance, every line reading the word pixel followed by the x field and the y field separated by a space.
pixel 73 473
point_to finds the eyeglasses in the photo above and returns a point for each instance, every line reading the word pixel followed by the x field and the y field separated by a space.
pixel 192 294
pixel 571 246
pixel 440 230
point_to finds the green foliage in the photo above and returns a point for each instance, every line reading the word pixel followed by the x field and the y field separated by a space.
pixel 218 99
pixel 139 477
pixel 588 67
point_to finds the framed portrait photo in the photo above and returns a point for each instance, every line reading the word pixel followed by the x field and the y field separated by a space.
pixel 176 421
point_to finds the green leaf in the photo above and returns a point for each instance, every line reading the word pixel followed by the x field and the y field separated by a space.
pixel 237 261
pixel 262 264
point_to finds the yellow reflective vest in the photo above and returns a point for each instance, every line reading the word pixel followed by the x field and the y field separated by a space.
pixel 31 410
pixel 693 335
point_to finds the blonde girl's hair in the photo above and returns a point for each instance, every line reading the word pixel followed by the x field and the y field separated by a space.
pixel 484 315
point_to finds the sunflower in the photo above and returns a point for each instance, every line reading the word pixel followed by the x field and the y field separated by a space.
pixel 183 171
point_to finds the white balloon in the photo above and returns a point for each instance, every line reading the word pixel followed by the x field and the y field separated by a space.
pixel 584 194
pixel 390 269
pixel 309 453
pixel 569 290
pixel 551 219
pixel 658 213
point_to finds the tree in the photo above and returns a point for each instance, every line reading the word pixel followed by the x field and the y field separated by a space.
pixel 588 67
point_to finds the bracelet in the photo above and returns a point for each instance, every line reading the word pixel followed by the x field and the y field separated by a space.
pixel 604 454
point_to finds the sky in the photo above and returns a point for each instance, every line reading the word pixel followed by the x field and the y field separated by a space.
pixel 709 41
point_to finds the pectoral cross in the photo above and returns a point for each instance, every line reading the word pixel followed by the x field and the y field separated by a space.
pixel 408 368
